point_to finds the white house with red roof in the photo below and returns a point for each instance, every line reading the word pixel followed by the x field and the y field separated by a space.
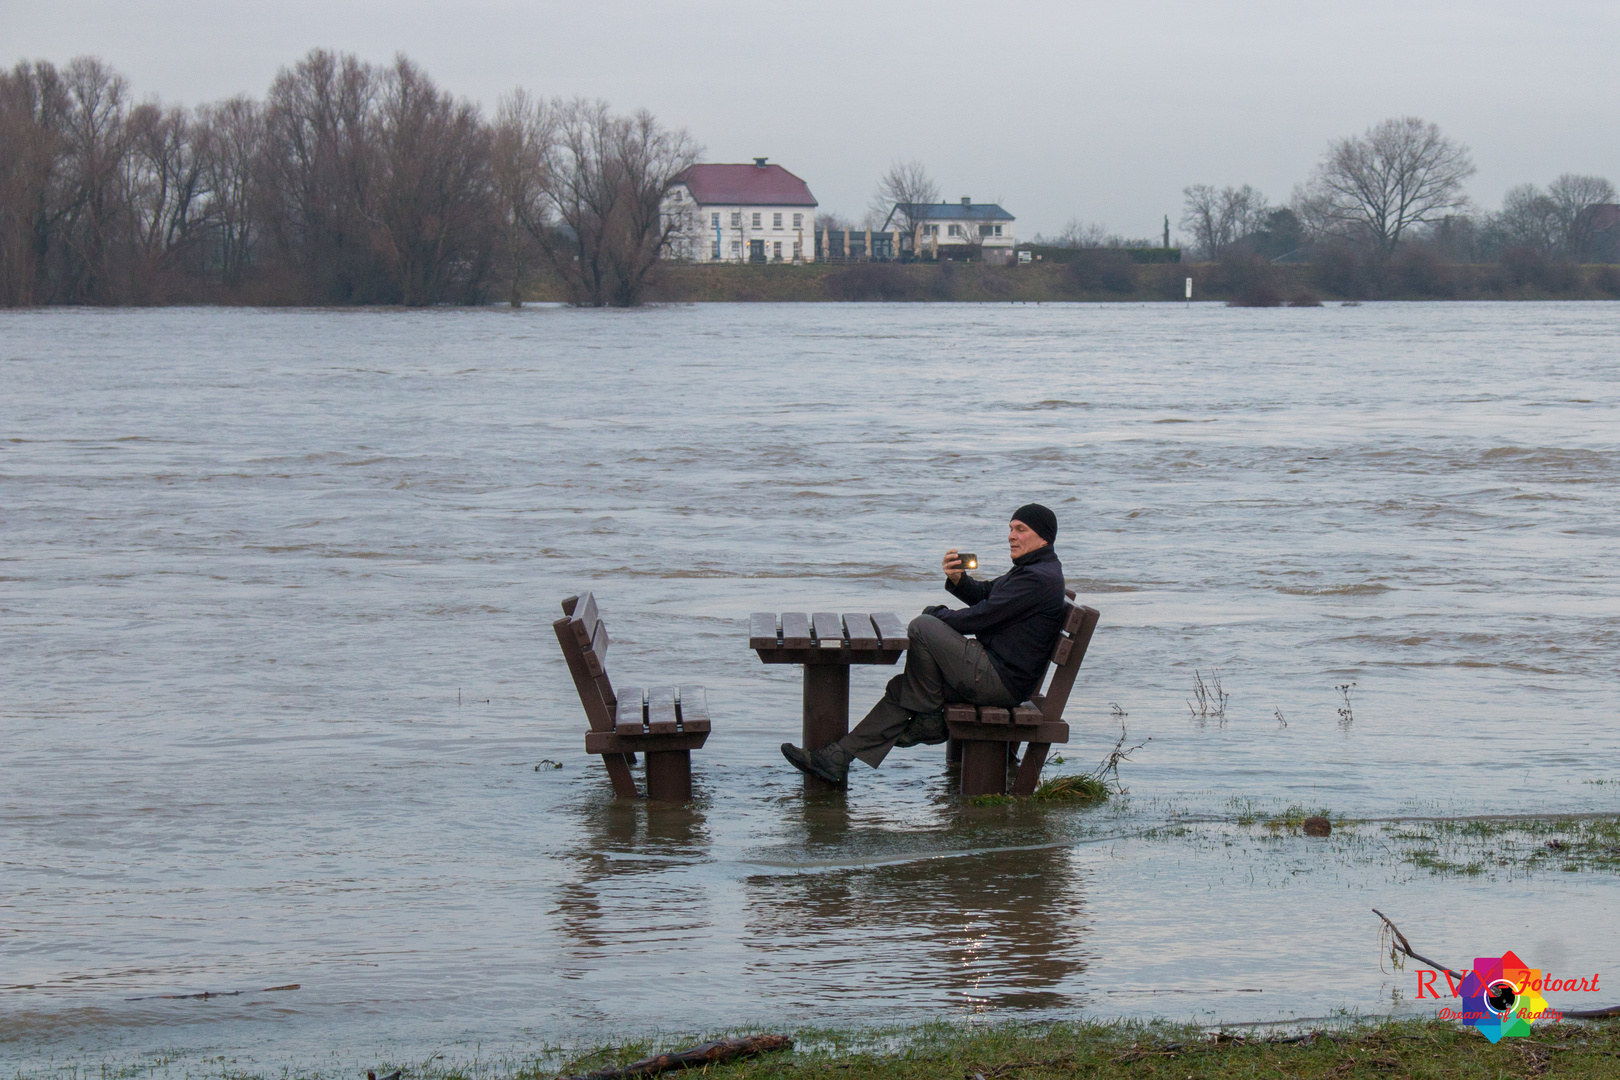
pixel 741 213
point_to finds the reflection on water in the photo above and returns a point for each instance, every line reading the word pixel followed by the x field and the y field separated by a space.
pixel 992 929
pixel 276 589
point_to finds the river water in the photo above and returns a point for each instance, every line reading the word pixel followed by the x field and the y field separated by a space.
pixel 280 694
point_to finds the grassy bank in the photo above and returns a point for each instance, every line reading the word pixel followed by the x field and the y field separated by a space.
pixel 1034 1052
pixel 1340 1049
pixel 1105 280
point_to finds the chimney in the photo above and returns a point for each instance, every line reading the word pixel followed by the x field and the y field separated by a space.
pixel 759 163
pixel 966 201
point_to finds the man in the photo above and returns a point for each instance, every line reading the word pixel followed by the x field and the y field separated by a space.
pixel 1015 620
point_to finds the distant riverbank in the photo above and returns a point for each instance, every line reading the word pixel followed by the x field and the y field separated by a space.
pixel 1105 279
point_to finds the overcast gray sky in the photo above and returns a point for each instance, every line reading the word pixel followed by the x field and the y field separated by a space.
pixel 1097 111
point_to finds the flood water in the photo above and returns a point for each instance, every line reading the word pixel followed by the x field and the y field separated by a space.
pixel 280 695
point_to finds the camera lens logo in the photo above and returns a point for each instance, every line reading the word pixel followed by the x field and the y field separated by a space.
pixel 1501 996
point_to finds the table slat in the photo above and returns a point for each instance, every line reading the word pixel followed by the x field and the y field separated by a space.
pixel 694 706
pixel 829 629
pixel 795 630
pixel 762 630
pixel 858 627
pixel 890 628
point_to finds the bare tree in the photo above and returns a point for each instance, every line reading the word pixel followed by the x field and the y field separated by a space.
pixel 164 192
pixel 608 185
pixel 1375 186
pixel 317 177
pixel 230 142
pixel 35 198
pixel 520 160
pixel 1573 198
pixel 431 193
pixel 905 192
pixel 1528 219
pixel 1218 220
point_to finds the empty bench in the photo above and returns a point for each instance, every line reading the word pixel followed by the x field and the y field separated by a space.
pixel 984 737
pixel 666 723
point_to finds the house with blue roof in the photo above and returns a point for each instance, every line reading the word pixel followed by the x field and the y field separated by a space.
pixel 961 230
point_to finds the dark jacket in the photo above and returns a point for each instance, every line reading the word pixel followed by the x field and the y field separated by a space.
pixel 1017 617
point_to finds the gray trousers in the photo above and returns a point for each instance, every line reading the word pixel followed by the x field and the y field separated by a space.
pixel 941 666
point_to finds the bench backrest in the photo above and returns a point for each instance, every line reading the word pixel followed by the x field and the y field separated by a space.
pixel 584 640
pixel 1079 620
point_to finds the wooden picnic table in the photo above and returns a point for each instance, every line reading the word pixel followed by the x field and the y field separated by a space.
pixel 826 644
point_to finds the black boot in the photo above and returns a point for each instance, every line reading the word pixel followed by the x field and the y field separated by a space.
pixel 830 763
pixel 927 728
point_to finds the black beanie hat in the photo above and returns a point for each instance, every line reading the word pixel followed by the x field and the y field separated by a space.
pixel 1039 518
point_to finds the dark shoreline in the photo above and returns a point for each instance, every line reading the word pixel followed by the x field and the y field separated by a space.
pixel 1245 284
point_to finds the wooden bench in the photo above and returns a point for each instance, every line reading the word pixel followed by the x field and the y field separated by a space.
pixel 984 737
pixel 665 722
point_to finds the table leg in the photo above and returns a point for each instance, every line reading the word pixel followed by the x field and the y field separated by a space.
pixel 826 713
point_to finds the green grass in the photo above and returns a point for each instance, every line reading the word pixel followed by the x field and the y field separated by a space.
pixel 1342 1050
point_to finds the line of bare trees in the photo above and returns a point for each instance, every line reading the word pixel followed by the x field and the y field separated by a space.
pixel 347 184
pixel 1399 184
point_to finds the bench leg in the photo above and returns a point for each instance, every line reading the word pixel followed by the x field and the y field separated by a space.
pixel 984 767
pixel 618 768
pixel 669 775
pixel 1029 770
pixel 953 752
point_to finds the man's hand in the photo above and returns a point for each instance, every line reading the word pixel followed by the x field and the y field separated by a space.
pixel 952 566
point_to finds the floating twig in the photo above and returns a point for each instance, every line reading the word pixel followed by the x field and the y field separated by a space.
pixel 213 994
pixel 1404 946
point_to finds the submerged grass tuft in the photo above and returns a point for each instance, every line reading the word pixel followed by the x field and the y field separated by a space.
pixel 1071 789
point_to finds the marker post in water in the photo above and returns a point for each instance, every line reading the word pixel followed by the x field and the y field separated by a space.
pixel 1189 292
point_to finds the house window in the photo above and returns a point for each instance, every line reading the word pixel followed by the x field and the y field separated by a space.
pixel 736 248
pixel 998 230
pixel 955 230
pixel 932 230
pixel 777 251
pixel 716 253
pixel 798 221
pixel 756 221
pixel 677 194
pixel 797 253
pixel 987 230
pixel 776 221
pixel 714 219
pixel 736 219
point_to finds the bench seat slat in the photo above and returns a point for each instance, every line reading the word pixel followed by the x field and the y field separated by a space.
pixel 989 714
pixel 661 711
pixel 860 631
pixel 630 716
pixel 795 630
pixel 693 705
pixel 1026 716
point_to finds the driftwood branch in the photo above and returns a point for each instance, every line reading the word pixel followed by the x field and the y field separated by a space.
pixel 1406 947
pixel 710 1053
pixel 206 994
